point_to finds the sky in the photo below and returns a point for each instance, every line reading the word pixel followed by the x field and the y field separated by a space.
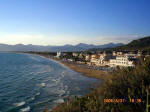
pixel 60 22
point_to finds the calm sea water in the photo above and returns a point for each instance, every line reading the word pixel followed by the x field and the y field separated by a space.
pixel 29 83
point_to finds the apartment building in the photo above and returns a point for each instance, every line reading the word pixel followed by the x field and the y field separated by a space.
pixel 125 61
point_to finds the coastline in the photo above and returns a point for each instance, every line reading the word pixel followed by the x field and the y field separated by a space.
pixel 88 72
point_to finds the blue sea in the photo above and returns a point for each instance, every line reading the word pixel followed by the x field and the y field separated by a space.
pixel 30 83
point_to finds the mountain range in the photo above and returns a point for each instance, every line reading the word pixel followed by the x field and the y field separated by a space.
pixel 65 48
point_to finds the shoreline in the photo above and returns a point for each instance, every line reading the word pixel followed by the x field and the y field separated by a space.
pixel 88 72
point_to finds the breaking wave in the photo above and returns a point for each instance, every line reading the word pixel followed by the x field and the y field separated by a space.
pixel 19 104
pixel 59 101
pixel 42 84
pixel 26 109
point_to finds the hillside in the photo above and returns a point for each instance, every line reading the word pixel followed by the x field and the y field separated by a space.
pixel 135 45
pixel 139 44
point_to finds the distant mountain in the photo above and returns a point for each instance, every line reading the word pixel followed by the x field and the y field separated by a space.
pixel 139 44
pixel 65 48
pixel 90 46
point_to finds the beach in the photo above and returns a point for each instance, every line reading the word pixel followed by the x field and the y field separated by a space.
pixel 88 72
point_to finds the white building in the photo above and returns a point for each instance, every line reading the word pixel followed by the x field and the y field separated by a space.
pixel 125 61
pixel 101 59
pixel 87 57
pixel 75 54
pixel 94 59
pixel 59 54
pixel 119 54
pixel 139 54
pixel 114 53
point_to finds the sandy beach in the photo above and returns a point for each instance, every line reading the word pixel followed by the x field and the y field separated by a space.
pixel 88 72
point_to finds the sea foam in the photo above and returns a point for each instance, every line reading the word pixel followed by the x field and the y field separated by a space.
pixel 37 94
pixel 19 104
pixel 59 101
pixel 26 109
pixel 43 84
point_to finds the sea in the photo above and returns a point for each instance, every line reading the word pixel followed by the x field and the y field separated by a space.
pixel 30 83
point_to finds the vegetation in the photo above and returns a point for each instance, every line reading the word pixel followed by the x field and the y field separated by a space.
pixel 46 54
pixel 125 83
pixel 139 44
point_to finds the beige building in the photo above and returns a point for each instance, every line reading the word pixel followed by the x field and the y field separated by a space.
pixel 114 53
pixel 88 57
pixel 94 59
pixel 81 55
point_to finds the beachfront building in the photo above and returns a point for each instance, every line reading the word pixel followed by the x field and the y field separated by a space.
pixel 59 54
pixel 104 60
pixel 114 53
pixel 71 60
pixel 130 54
pixel 81 55
pixel 139 54
pixel 88 58
pixel 133 54
pixel 75 54
pixel 94 59
pixel 101 59
pixel 119 54
pixel 125 61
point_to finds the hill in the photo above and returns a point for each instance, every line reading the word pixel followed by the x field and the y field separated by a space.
pixel 142 44
pixel 139 44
